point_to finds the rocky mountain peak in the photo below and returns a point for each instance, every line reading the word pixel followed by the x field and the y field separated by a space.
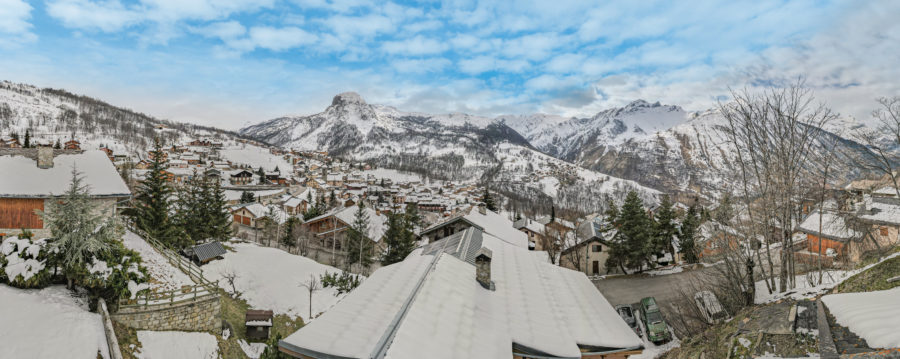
pixel 348 98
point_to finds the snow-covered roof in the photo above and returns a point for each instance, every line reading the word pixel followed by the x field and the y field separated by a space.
pixel 430 305
pixel 490 222
pixel 880 212
pixel 377 223
pixel 885 191
pixel 22 178
pixel 833 226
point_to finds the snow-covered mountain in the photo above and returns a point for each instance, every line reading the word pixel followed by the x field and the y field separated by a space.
pixel 448 146
pixel 51 114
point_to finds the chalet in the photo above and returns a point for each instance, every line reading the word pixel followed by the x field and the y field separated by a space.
pixel 535 232
pixel 330 231
pixel 828 233
pixel 248 214
pixel 106 150
pixel 588 250
pixel 714 239
pixel 199 143
pixel 72 145
pixel 334 180
pixel 469 295
pixel 478 217
pixel 9 142
pixel 31 177
pixel 241 177
pixel 142 165
pixel 295 205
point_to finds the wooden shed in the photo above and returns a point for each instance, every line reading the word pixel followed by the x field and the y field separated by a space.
pixel 258 323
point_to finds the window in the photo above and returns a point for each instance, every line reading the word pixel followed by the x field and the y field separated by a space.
pixel 596 248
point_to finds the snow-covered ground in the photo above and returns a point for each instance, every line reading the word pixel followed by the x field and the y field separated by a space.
pixel 253 350
pixel 164 275
pixel 806 289
pixel 256 156
pixel 182 345
pixel 48 323
pixel 393 175
pixel 871 315
pixel 270 278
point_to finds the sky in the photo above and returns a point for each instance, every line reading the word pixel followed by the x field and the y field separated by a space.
pixel 229 63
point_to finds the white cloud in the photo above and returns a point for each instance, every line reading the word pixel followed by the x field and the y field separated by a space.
pixel 14 25
pixel 107 16
pixel 418 45
pixel 279 39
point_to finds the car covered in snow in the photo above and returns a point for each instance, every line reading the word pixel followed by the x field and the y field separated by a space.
pixel 627 315
pixel 709 307
pixel 657 329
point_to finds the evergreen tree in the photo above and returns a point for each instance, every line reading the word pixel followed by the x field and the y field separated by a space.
pixel 393 239
pixel 79 233
pixel 687 235
pixel 632 244
pixel 219 217
pixel 153 200
pixel 332 199
pixel 58 145
pixel 359 246
pixel 247 197
pixel 27 139
pixel 289 226
pixel 262 175
pixel 189 216
pixel 552 214
pixel 488 200
pixel 665 227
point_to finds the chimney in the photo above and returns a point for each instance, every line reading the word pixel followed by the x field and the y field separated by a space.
pixel 483 268
pixel 45 157
pixel 482 209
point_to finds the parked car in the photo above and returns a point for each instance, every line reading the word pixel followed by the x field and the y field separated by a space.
pixel 709 306
pixel 627 315
pixel 657 329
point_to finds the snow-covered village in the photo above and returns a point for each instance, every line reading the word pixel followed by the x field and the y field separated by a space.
pixel 451 179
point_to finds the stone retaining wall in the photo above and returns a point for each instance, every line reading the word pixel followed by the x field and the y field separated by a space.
pixel 202 314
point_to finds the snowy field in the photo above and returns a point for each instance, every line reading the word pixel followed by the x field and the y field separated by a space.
pixel 182 345
pixel 871 315
pixel 255 156
pixel 48 323
pixel 270 278
pixel 393 175
pixel 164 275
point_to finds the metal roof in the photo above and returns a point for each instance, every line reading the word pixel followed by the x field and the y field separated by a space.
pixel 207 251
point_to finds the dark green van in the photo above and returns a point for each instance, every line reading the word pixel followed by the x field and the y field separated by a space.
pixel 657 329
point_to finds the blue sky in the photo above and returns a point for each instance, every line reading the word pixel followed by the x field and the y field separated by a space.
pixel 232 62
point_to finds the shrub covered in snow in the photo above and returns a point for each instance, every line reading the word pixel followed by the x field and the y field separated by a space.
pixel 116 273
pixel 24 262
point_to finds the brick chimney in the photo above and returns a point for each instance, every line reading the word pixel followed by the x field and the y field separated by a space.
pixel 45 157
pixel 483 267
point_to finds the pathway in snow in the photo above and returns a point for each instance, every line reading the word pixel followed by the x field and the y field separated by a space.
pixel 270 278
pixel 165 275
pixel 182 345
pixel 48 323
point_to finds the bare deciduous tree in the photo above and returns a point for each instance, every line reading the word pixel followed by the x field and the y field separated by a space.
pixel 883 141
pixel 774 133
pixel 312 285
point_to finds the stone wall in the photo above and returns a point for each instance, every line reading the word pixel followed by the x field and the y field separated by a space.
pixel 202 314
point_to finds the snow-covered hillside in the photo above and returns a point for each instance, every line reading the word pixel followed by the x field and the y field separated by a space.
pixel 51 115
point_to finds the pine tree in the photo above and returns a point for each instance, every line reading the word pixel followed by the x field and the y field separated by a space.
pixel 247 197
pixel 80 233
pixel 552 214
pixel 287 239
pixel 393 239
pixel 687 235
pixel 262 175
pixel 189 212
pixel 665 227
pixel 359 246
pixel 488 200
pixel 27 139
pixel 633 239
pixel 153 200
pixel 58 145
pixel 217 215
